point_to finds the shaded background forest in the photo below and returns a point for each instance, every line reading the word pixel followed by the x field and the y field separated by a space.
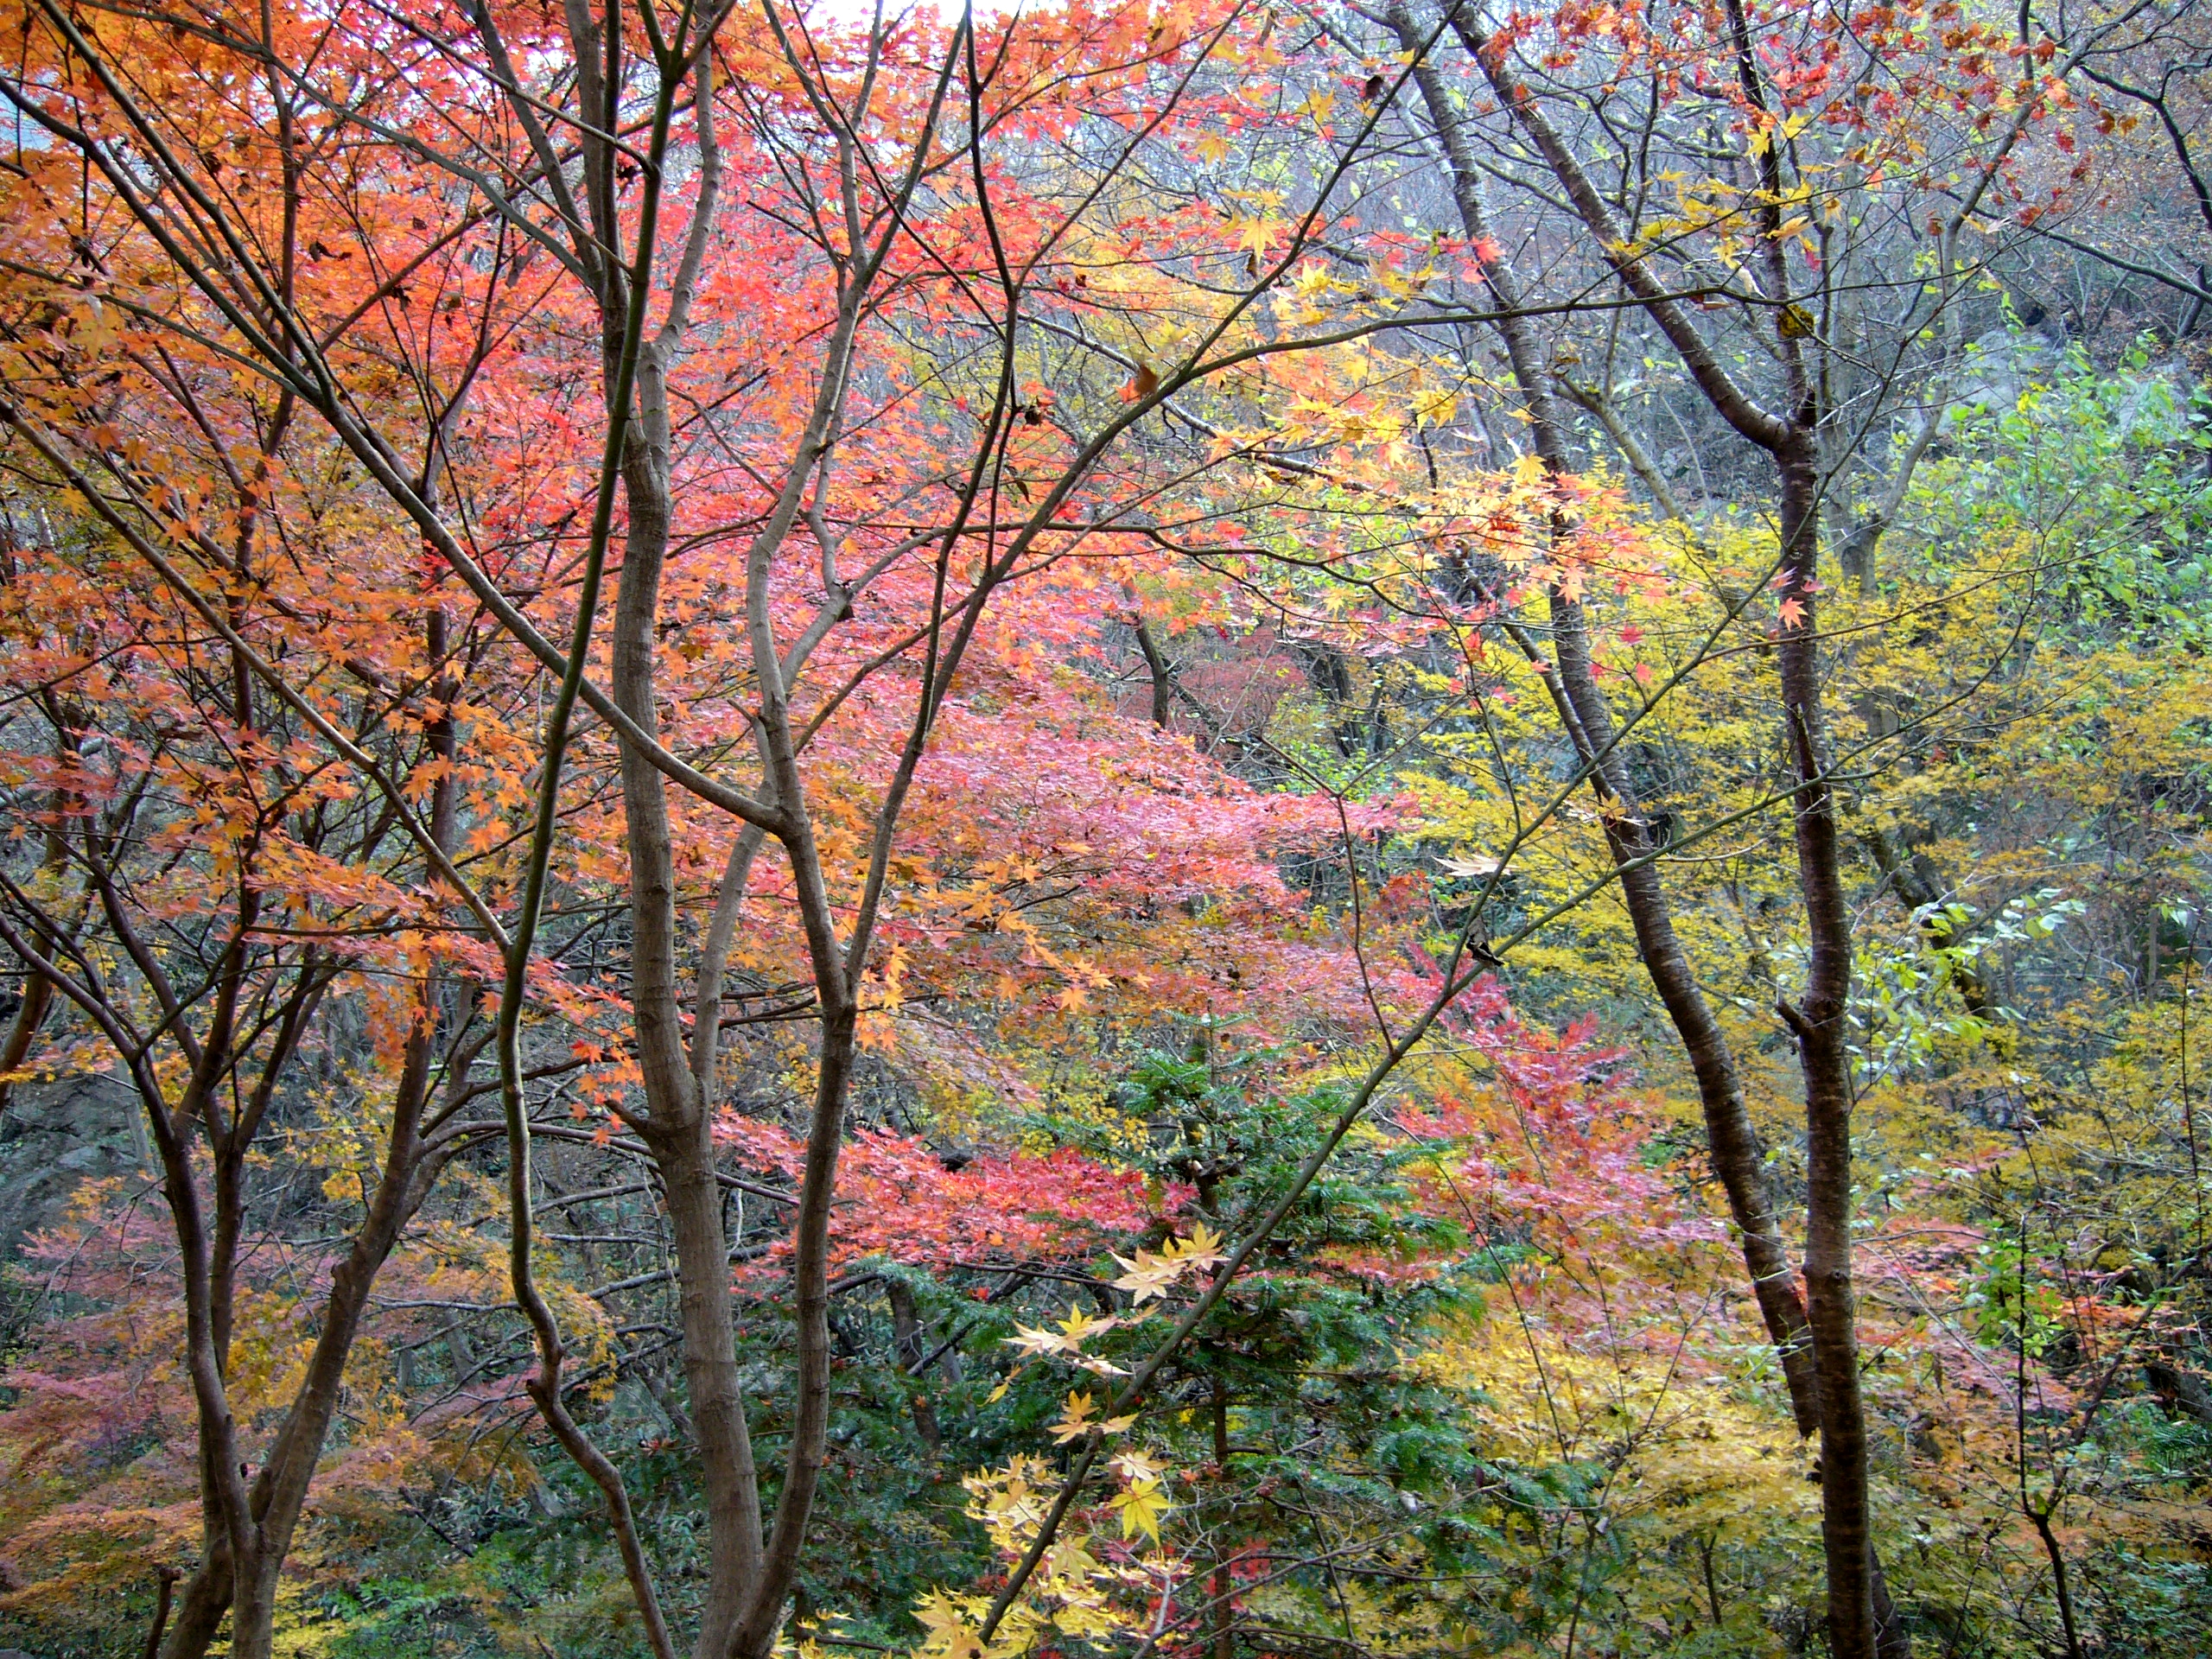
pixel 1258 749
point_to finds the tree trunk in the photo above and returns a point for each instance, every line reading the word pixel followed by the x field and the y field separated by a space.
pixel 756 1632
pixel 678 1125
pixel 279 1494
pixel 30 1015
pixel 1827 1313
pixel 1824 1062
pixel 1155 663
pixel 906 1342
pixel 206 1598
pixel 711 1380
pixel 1738 1158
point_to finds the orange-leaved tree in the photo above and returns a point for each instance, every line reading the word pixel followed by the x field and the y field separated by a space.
pixel 852 355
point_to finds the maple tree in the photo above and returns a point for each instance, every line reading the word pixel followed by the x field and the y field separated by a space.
pixel 850 726
pixel 926 597
pixel 1817 166
pixel 220 877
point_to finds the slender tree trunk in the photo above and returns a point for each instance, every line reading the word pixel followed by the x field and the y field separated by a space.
pixel 1225 1610
pixel 1829 1385
pixel 206 1598
pixel 2059 1583
pixel 1156 662
pixel 906 1342
pixel 1917 883
pixel 1738 1158
pixel 756 1632
pixel 1824 1061
pixel 678 1122
pixel 750 1577
pixel 716 1399
pixel 168 1576
pixel 279 1493
pixel 38 997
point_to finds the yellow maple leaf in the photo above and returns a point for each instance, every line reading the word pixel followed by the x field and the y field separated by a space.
pixel 1202 1249
pixel 1032 1341
pixel 1078 1422
pixel 1067 1338
pixel 1143 1506
pixel 1149 1276
pixel 1255 234
pixel 1079 1327
pixel 951 1636
pixel 1140 1465
pixel 1070 1558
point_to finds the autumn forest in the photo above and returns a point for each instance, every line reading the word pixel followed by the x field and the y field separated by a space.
pixel 1106 829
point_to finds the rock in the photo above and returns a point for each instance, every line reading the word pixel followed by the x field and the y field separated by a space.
pixel 53 1137
pixel 1999 368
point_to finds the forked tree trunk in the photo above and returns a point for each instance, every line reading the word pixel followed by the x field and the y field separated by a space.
pixel 279 1494
pixel 678 1125
pixel 1738 1158
pixel 1823 1375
